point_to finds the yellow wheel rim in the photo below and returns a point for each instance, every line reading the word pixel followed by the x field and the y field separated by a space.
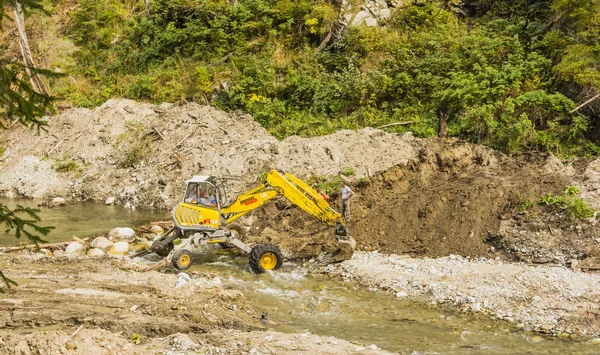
pixel 184 260
pixel 268 261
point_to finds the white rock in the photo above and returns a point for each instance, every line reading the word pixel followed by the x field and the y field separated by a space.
pixel 183 275
pixel 102 243
pixel 360 17
pixel 371 21
pixel 373 347
pixel 157 230
pixel 58 252
pixel 119 248
pixel 110 201
pixel 122 235
pixel 75 248
pixel 58 201
pixel 401 294
pixel 385 14
pixel 95 252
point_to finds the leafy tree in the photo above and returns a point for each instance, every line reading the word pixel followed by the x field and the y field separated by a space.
pixel 20 102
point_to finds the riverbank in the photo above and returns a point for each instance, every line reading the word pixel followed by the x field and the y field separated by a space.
pixel 83 305
pixel 546 299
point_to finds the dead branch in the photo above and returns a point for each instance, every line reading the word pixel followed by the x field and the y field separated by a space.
pixel 74 333
pixel 55 147
pixel 186 137
pixel 324 43
pixel 156 266
pixel 585 103
pixel 394 124
pixel 160 134
pixel 41 246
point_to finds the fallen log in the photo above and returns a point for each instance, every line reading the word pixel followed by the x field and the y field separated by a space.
pixel 41 246
pixel 158 265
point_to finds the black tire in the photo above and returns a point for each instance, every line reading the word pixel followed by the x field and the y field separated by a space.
pixel 265 257
pixel 241 236
pixel 166 250
pixel 181 259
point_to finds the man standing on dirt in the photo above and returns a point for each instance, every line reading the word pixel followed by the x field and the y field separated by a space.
pixel 346 193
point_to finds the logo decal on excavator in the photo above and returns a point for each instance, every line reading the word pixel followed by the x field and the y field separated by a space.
pixel 210 221
pixel 248 201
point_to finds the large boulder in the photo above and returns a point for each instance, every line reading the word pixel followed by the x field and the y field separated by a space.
pixel 122 235
pixel 75 249
pixel 102 243
pixel 119 248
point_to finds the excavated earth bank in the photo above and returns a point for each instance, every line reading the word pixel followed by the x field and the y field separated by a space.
pixel 422 197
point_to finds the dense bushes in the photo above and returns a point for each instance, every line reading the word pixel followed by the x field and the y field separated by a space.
pixel 505 74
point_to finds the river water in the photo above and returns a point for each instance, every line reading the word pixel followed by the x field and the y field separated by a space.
pixel 294 301
pixel 80 219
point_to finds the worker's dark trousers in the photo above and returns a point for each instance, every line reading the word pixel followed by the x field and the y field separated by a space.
pixel 346 209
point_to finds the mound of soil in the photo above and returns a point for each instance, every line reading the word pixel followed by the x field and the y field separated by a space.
pixel 451 198
pixel 141 154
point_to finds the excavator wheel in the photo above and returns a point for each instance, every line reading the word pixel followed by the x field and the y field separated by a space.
pixel 265 257
pixel 181 259
pixel 240 235
pixel 166 250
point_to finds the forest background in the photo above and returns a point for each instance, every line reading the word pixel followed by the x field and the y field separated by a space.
pixel 508 74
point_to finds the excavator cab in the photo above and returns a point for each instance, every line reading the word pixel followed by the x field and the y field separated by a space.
pixel 204 217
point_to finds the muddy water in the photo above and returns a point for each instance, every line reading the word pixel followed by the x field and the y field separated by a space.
pixel 293 301
pixel 81 219
pixel 296 302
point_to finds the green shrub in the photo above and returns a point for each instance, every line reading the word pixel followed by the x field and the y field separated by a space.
pixel 574 206
pixel 348 172
pixel 504 81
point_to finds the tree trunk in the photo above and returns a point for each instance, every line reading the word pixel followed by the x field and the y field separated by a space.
pixel 147 8
pixel 443 125
pixel 35 79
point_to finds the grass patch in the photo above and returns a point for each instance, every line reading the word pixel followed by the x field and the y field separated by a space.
pixel 66 165
pixel 134 144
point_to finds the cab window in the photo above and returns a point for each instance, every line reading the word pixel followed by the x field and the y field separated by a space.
pixel 201 193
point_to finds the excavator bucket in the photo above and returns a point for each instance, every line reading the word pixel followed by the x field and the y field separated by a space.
pixel 346 244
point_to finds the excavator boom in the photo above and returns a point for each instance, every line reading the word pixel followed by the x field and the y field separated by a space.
pixel 302 195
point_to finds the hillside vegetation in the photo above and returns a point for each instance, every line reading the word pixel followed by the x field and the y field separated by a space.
pixel 504 73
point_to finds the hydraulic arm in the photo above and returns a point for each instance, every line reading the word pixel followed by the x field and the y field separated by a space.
pixel 295 190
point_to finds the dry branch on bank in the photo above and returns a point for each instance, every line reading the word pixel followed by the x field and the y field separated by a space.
pixel 42 246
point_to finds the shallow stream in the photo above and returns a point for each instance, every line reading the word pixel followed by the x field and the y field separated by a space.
pixel 293 301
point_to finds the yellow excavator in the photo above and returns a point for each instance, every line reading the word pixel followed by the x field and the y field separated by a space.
pixel 204 217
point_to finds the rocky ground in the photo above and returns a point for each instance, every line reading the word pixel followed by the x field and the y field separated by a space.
pixel 546 299
pixel 445 199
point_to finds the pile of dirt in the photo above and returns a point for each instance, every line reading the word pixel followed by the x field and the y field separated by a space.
pixel 141 154
pixel 451 198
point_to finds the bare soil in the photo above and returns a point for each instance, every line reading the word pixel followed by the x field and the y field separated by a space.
pixel 451 198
